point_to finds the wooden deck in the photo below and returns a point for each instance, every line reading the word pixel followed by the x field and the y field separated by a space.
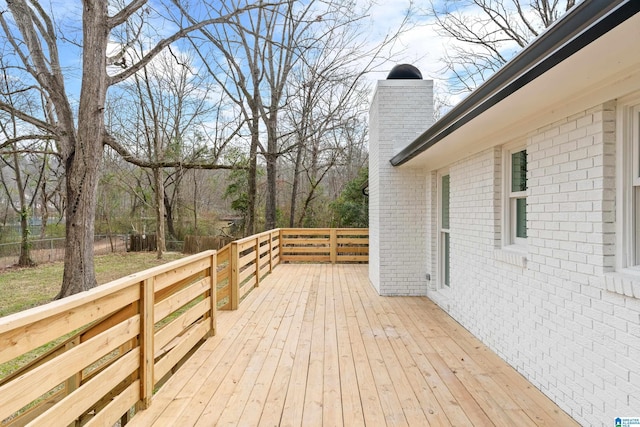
pixel 315 345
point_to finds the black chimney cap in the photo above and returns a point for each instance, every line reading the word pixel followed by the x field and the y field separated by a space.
pixel 404 71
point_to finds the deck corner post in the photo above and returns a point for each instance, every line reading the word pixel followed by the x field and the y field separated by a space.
pixel 213 272
pixel 146 342
pixel 333 245
pixel 233 277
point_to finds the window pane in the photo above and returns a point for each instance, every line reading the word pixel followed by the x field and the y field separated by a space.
pixel 521 218
pixel 636 224
pixel 445 202
pixel 636 142
pixel 447 276
pixel 519 171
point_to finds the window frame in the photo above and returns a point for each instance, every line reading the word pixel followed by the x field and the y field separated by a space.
pixel 443 233
pixel 628 184
pixel 509 200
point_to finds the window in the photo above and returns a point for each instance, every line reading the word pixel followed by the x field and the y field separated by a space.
pixel 515 199
pixel 634 182
pixel 443 232
pixel 628 188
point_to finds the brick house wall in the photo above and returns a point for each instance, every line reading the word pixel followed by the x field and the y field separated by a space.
pixel 559 314
pixel 554 314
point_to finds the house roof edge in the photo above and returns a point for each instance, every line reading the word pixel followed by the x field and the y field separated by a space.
pixel 583 24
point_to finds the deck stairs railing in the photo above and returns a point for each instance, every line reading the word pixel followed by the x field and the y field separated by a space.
pixel 103 353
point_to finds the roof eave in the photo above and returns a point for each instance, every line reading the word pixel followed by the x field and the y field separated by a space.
pixel 581 26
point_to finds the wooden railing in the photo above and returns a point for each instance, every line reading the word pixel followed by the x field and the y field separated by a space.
pixel 243 263
pixel 133 332
pixel 335 245
pixel 113 345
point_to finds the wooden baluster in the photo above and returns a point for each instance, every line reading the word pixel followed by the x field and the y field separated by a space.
pixel 257 249
pixel 146 342
pixel 333 245
pixel 213 274
pixel 233 276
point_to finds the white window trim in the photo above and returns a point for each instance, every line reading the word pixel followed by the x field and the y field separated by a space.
pixel 440 243
pixel 509 240
pixel 628 183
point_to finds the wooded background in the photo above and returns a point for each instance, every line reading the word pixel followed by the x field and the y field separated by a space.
pixel 178 117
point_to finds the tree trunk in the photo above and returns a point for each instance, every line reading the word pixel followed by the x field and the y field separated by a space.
pixel 271 206
pixel 159 184
pixel 25 249
pixel 25 255
pixel 169 216
pixel 45 211
pixel 252 176
pixel 109 232
pixel 313 183
pixel 195 205
pixel 296 183
pixel 82 182
pixel 306 207
pixel 82 152
pixel 271 157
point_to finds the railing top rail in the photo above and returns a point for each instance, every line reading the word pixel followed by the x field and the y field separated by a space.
pixel 321 229
pixel 255 236
pixel 53 308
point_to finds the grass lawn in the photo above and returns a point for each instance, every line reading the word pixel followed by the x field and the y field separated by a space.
pixel 24 288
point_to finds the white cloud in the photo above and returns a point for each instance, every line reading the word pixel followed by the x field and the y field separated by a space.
pixel 419 45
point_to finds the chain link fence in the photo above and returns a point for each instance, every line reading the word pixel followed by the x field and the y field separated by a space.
pixel 49 250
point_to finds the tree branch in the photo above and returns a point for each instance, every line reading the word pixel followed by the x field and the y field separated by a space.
pixel 12 141
pixel 27 118
pixel 176 36
pixel 122 16
pixel 127 156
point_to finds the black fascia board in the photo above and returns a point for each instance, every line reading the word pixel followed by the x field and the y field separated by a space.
pixel 582 25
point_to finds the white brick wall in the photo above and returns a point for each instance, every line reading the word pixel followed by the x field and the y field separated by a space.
pixel 552 316
pixel 401 110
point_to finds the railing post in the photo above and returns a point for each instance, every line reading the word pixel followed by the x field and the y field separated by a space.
pixel 270 251
pixel 280 243
pixel 333 245
pixel 257 246
pixel 213 273
pixel 233 276
pixel 146 342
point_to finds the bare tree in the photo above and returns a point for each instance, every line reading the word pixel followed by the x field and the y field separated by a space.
pixel 261 51
pixel 487 33
pixel 326 99
pixel 23 154
pixel 171 103
pixel 35 40
pixel 51 194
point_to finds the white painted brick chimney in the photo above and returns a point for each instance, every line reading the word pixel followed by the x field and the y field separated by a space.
pixel 400 111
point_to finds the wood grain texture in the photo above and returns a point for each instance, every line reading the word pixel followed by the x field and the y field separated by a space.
pixel 315 345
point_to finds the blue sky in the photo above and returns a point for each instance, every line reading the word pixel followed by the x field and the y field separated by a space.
pixel 420 46
pixel 420 43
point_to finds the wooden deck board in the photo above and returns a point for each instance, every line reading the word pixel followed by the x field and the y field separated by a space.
pixel 352 405
pixel 315 345
pixel 277 395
